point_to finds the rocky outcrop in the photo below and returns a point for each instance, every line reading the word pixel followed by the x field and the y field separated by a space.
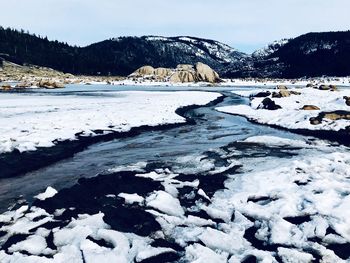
pixel 183 73
pixel 143 71
pixel 183 77
pixel 269 104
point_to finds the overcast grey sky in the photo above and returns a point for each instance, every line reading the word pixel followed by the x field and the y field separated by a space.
pixel 243 24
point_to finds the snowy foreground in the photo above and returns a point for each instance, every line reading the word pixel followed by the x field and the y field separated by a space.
pixel 28 121
pixel 291 115
pixel 244 208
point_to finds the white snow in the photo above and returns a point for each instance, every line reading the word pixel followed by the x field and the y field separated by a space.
pixel 49 192
pixel 28 121
pixel 291 116
pixel 165 203
pixel 131 198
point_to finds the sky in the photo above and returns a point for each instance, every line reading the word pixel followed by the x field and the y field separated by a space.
pixel 243 24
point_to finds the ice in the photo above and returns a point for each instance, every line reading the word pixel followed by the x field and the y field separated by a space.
pixel 49 192
pixel 131 198
pixel 294 256
pixel 200 254
pixel 40 120
pixel 34 245
pixel 165 203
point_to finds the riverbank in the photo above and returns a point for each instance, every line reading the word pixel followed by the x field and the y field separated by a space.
pixel 321 111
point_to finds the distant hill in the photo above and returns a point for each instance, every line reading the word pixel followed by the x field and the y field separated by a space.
pixel 310 55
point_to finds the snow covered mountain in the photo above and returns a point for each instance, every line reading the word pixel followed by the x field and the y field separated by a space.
pixel 270 48
pixel 309 55
pixel 125 54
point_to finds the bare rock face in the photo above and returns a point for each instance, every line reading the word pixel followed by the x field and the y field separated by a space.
pixel 143 71
pixel 310 107
pixel 206 73
pixel 162 72
pixel 183 77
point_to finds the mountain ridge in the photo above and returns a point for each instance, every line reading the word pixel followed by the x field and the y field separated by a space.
pixel 309 55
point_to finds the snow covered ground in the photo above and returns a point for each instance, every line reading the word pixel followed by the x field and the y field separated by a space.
pixel 344 81
pixel 290 208
pixel 28 121
pixel 291 115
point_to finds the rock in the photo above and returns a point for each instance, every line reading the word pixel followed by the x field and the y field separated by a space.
pixel 310 107
pixel 47 84
pixel 183 77
pixel 333 88
pixel 143 71
pixel 269 104
pixel 309 85
pixel 184 67
pixel 206 73
pixel 162 72
pixel 6 87
pixel 337 115
pixel 333 115
pixel 347 100
pixel 262 94
pixel 324 87
pixel 328 87
pixel 315 121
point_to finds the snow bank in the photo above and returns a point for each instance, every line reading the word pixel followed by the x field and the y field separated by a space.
pixel 291 116
pixel 28 121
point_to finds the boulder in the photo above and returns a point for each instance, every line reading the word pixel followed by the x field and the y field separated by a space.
pixel 324 87
pixel 143 71
pixel 309 85
pixel 347 100
pixel 328 87
pixel 47 84
pixel 183 77
pixel 269 104
pixel 206 73
pixel 310 107
pixel 337 115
